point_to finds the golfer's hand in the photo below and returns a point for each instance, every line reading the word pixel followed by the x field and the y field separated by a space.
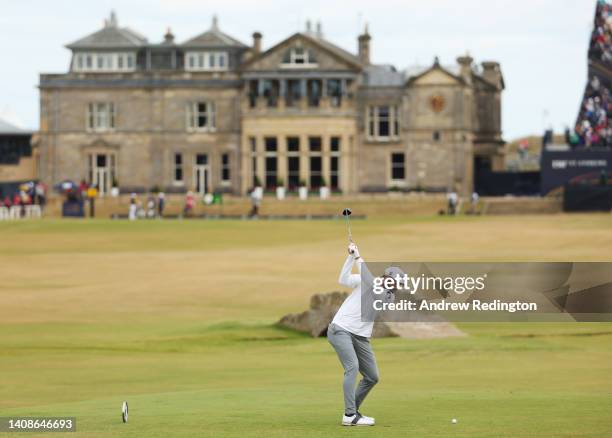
pixel 354 251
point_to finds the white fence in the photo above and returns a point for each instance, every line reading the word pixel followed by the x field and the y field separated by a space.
pixel 18 212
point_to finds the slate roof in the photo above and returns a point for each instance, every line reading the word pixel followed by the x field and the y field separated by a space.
pixel 213 37
pixel 318 41
pixel 337 50
pixel 111 36
pixel 382 75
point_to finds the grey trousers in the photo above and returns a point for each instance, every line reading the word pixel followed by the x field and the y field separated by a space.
pixel 355 354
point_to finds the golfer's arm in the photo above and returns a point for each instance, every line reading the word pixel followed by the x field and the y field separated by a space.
pixel 365 275
pixel 346 277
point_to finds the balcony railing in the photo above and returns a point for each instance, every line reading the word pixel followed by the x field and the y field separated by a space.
pixel 291 103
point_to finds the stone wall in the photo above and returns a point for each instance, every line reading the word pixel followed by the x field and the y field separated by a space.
pixel 150 126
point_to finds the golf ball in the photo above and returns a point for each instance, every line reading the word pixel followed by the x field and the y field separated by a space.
pixel 454 421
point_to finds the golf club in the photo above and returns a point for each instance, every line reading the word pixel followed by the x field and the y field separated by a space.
pixel 346 213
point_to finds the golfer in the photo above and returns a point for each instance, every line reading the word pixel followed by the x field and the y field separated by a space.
pixel 350 337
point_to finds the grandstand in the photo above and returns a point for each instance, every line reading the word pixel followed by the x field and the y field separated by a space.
pixel 583 166
pixel 594 124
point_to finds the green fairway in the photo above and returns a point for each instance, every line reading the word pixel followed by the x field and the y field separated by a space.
pixel 178 319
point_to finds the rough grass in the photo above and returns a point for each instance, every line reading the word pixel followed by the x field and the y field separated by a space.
pixel 178 318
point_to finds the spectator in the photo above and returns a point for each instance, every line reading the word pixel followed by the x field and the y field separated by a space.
pixel 83 189
pixel 189 204
pixel 40 194
pixel 474 202
pixel 151 206
pixel 255 202
pixel 523 149
pixel 161 203
pixel 452 203
pixel 133 211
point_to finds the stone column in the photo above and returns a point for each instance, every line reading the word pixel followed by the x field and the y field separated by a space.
pixel 324 101
pixel 282 92
pixel 245 165
pixel 260 87
pixel 303 94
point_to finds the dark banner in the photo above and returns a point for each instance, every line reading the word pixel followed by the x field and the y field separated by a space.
pixel 560 167
pixel 585 197
pixel 483 292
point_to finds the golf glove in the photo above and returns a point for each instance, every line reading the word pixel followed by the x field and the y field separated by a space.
pixel 354 251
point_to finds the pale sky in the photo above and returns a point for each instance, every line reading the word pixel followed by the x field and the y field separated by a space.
pixel 541 44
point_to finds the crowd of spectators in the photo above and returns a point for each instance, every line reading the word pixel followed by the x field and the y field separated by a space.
pixel 154 207
pixel 28 194
pixel 600 47
pixel 594 127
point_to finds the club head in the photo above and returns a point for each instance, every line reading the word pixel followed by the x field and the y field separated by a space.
pixel 124 412
pixel 346 212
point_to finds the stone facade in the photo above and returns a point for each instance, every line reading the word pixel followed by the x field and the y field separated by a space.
pixel 213 114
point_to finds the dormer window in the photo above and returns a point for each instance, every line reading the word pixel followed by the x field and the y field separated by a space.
pixel 206 61
pixel 299 57
pixel 104 62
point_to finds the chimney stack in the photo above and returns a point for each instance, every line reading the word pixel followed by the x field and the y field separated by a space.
pixel 319 30
pixel 465 63
pixel 257 42
pixel 364 46
pixel 492 73
pixel 112 22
